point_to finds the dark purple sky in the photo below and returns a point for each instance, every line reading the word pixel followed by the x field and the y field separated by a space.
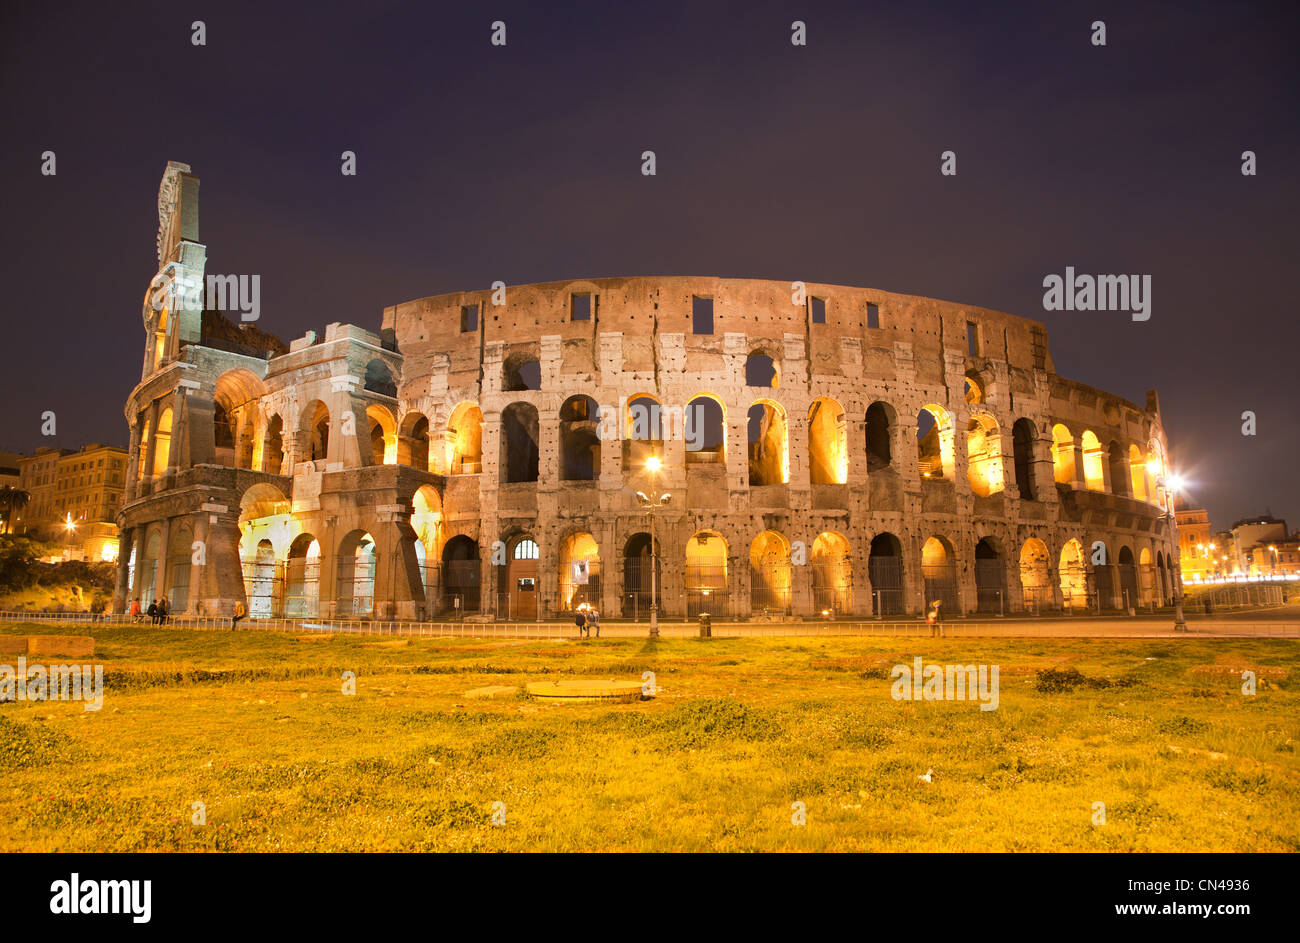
pixel 820 163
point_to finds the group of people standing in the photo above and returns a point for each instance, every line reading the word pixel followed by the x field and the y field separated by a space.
pixel 586 620
pixel 157 611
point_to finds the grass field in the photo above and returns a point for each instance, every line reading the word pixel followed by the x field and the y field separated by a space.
pixel 255 726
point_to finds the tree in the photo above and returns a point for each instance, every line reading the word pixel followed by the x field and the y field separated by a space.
pixel 12 500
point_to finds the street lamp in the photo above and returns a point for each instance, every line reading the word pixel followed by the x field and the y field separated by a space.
pixel 1273 550
pixel 71 526
pixel 652 502
pixel 1171 484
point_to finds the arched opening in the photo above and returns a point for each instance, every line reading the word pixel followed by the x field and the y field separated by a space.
pixel 830 574
pixel 521 372
pixel 1035 578
pixel 142 469
pixel 234 417
pixel 990 577
pixel 1163 575
pixel 517 587
pixel 316 428
pixel 706 432
pixel 260 581
pixel 179 554
pixel 939 568
pixel 707 588
pixel 579 439
pixel 413 442
pixel 828 452
pixel 1062 455
pixel 768 459
pixel 579 572
pixel 984 455
pixel 880 425
pixel 1128 578
pixel 1094 477
pixel 273 445
pixel 162 442
pixel 1105 580
pixel 379 379
pixel 1137 466
pixel 770 576
pixel 302 578
pixel 265 517
pixel 426 521
pixel 1074 576
pixel 519 438
pixel 1119 473
pixel 465 440
pixel 462 574
pixel 885 570
pixel 974 389
pixel 934 445
pixel 147 569
pixel 1023 435
pixel 383 435
pixel 636 576
pixel 356 565
pixel 643 431
pixel 761 370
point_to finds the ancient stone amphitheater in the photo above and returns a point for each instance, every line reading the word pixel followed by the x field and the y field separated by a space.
pixel 824 450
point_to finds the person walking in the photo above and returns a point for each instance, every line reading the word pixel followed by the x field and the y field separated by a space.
pixel 935 618
pixel 593 621
pixel 135 610
pixel 580 620
pixel 153 612
pixel 240 612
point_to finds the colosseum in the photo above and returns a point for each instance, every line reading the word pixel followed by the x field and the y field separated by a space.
pixel 822 451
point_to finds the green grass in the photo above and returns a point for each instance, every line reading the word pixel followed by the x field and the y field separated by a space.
pixel 255 726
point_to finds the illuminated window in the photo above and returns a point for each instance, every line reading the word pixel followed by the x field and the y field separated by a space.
pixel 526 550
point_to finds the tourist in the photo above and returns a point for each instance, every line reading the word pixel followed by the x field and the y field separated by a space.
pixel 240 612
pixel 593 621
pixel 935 618
pixel 135 610
pixel 153 612
pixel 580 620
pixel 162 611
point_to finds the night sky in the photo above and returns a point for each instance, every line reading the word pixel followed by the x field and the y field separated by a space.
pixel 818 163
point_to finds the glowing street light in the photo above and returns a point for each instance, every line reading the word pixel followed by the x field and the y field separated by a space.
pixel 1172 484
pixel 652 502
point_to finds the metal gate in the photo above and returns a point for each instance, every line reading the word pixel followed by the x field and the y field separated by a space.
pixel 990 585
pixel 886 575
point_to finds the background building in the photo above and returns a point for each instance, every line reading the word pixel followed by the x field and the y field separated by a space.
pixel 83 487
pixel 1196 547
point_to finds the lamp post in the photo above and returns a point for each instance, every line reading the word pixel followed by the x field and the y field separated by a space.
pixel 71 526
pixel 1172 484
pixel 652 502
pixel 1273 550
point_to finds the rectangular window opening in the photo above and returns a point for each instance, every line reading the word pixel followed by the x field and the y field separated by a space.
pixel 468 318
pixel 818 308
pixel 873 317
pixel 701 315
pixel 972 339
pixel 580 307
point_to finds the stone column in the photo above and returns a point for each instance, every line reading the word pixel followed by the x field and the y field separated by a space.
pixel 121 591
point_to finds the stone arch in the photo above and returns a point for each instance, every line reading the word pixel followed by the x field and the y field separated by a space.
pixel 147 566
pixel 770 573
pixel 517 581
pixel 1074 575
pixel 519 443
pixel 273 445
pixel 1062 455
pixel 162 442
pixel 579 439
pixel 973 388
pixel 1094 461
pixel 768 436
pixel 939 570
pixel 1023 436
pixel 1137 465
pixel 885 570
pixel 315 429
pixel 707 584
pixel 464 448
pixel 179 556
pixel 379 379
pixel 1146 577
pixel 1035 575
pixel 706 430
pixel 356 566
pixel 462 574
pixel 880 421
pixel 413 441
pixel 260 583
pixel 984 455
pixel 302 577
pixel 830 573
pixel 234 417
pixel 934 443
pixel 828 447
pixel 382 432
pixel 990 576
pixel 762 369
pixel 265 513
pixel 1128 577
pixel 579 572
pixel 637 589
pixel 521 371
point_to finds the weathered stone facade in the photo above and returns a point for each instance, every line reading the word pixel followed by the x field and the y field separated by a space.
pixel 452 462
